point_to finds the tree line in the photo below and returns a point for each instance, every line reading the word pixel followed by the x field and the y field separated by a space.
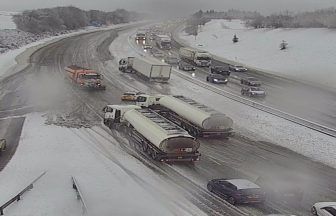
pixel 324 18
pixel 69 18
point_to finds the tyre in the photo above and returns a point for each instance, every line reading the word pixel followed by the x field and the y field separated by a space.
pixel 232 200
pixel 241 82
pixel 313 211
pixel 209 186
pixel 207 79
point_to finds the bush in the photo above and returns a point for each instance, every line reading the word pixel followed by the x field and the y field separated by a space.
pixel 68 18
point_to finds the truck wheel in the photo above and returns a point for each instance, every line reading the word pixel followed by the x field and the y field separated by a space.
pixel 154 156
pixel 144 147
pixel 207 79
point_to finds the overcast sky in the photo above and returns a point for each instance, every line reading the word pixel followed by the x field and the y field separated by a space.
pixel 177 7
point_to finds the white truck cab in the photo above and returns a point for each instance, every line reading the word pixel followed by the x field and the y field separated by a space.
pixel 147 100
pixel 114 113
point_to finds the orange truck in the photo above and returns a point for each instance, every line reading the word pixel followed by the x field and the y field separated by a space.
pixel 84 77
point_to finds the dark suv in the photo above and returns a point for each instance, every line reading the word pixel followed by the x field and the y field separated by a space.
pixel 237 190
pixel 250 81
pixel 219 70
pixel 217 78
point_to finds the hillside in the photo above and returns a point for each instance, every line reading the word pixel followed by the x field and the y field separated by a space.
pixel 309 57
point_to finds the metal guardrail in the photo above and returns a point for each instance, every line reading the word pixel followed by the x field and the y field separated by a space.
pixel 273 111
pixel 80 196
pixel 306 123
pixel 17 197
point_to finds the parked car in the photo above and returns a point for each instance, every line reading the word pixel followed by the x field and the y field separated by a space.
pixel 282 187
pixel 219 70
pixel 3 145
pixel 185 66
pixel 171 60
pixel 130 96
pixel 237 68
pixel 237 190
pixel 250 81
pixel 324 209
pixel 253 91
pixel 217 78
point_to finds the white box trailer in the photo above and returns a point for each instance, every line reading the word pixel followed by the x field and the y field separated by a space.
pixel 158 71
pixel 196 57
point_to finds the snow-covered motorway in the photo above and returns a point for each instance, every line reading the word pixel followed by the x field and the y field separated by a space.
pixel 313 103
pixel 247 155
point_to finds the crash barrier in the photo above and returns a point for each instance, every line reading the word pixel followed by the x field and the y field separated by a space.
pixel 79 194
pixel 17 197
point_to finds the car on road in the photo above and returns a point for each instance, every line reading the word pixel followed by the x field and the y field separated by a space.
pixel 3 145
pixel 130 96
pixel 219 70
pixel 237 191
pixel 171 60
pixel 250 81
pixel 253 91
pixel 324 209
pixel 217 78
pixel 185 66
pixel 237 68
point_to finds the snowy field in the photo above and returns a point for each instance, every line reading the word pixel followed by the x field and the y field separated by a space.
pixel 110 179
pixel 310 55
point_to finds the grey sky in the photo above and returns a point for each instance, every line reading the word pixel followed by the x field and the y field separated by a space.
pixel 177 7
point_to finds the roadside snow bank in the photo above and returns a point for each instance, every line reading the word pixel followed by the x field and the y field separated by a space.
pixel 310 55
pixel 111 180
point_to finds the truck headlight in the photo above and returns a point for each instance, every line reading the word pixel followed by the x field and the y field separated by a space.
pixel 216 80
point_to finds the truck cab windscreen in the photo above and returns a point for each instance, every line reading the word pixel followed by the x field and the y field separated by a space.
pixel 203 58
pixel 141 99
pixel 90 76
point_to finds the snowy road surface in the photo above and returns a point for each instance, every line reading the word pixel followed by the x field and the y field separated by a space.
pixel 111 157
pixel 309 55
pixel 307 101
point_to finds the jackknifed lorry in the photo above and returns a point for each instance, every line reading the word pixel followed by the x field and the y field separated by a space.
pixel 199 120
pixel 155 135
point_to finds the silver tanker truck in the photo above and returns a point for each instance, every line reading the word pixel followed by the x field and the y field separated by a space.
pixel 198 119
pixel 158 137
